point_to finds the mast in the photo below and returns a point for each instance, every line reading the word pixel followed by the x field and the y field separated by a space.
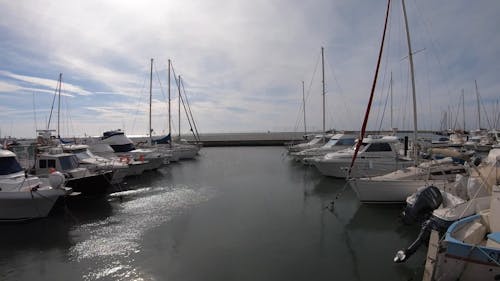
pixel 392 126
pixel 478 108
pixel 323 82
pixel 463 107
pixel 179 107
pixel 304 108
pixel 150 102
pixel 410 57
pixel 59 106
pixel 169 112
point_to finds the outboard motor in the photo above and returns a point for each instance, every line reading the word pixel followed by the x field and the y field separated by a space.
pixel 427 200
pixel 433 223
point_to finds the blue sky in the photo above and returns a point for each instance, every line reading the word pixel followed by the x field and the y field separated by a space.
pixel 242 63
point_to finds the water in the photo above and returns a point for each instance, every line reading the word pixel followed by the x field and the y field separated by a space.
pixel 237 213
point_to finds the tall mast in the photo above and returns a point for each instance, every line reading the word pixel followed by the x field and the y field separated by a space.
pixel 463 107
pixel 150 102
pixel 59 106
pixel 169 113
pixel 323 82
pixel 478 107
pixel 179 107
pixel 410 57
pixel 392 126
pixel 304 108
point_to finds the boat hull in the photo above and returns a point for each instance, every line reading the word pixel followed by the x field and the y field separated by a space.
pixel 464 261
pixel 92 184
pixel 25 205
pixel 388 191
pixel 362 167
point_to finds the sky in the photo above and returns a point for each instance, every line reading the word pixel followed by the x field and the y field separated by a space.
pixel 242 64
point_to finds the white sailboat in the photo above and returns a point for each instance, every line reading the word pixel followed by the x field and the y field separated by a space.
pixel 397 185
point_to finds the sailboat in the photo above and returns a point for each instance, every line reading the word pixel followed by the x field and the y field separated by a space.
pixel 175 150
pixel 378 154
pixel 396 186
pixel 319 139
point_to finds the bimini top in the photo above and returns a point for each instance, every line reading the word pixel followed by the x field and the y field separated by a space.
pixel 108 134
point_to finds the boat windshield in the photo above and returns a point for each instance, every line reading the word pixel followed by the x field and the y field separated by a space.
pixel 82 155
pixel 331 143
pixel 315 140
pixel 9 165
pixel 68 162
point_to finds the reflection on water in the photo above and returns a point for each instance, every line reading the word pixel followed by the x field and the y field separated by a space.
pixel 234 214
pixel 114 240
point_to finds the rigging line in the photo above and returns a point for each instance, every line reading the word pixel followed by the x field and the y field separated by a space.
pixel 139 101
pixel 385 106
pixel 53 102
pixel 34 112
pixel 190 112
pixel 484 109
pixel 308 93
pixel 195 133
pixel 367 113
pixel 381 89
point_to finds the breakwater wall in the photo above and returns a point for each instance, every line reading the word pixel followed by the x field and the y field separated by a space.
pixel 261 138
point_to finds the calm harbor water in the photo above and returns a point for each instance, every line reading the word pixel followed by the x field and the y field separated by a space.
pixel 235 213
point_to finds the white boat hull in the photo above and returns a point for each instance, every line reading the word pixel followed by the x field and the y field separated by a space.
pixel 388 191
pixel 362 167
pixel 24 205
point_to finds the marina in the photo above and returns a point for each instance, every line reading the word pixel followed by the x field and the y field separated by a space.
pixel 386 167
pixel 249 213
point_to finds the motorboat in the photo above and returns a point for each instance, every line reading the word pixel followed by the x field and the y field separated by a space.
pixel 125 148
pixel 24 196
pixel 377 155
pixel 317 141
pixel 437 209
pixel 337 142
pixel 135 167
pixel 470 248
pixel 78 177
pixel 97 163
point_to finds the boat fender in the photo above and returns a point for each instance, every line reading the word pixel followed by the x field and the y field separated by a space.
pixel 427 200
pixel 56 179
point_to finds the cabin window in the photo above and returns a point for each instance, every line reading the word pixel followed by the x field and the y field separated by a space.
pixel 68 162
pixel 42 163
pixel 9 165
pixel 377 147
pixel 346 142
pixel 51 163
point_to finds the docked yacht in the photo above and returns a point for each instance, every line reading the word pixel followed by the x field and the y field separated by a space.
pixel 135 167
pixel 79 178
pixel 23 196
pixel 378 155
pixel 97 163
pixel 317 141
pixel 337 142
pixel 125 148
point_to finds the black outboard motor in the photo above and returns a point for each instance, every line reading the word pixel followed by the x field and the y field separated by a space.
pixel 427 200
pixel 433 223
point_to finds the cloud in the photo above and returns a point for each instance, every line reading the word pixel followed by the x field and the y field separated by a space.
pixel 250 56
